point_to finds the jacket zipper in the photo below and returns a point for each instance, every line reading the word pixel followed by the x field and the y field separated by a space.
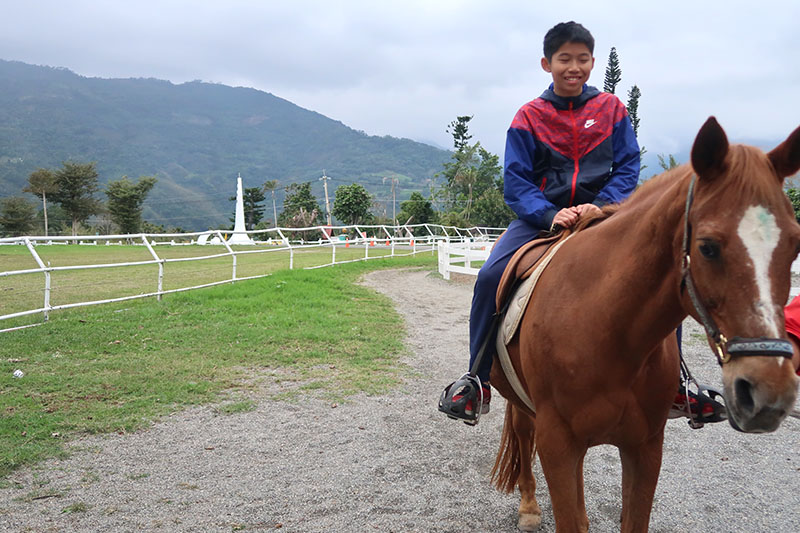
pixel 574 155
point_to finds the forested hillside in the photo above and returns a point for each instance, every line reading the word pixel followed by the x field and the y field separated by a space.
pixel 194 137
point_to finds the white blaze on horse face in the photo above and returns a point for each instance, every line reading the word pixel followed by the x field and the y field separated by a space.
pixel 760 235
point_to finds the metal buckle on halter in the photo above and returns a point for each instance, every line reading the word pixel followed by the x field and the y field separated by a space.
pixel 723 356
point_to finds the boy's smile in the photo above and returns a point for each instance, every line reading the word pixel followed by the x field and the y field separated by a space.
pixel 570 66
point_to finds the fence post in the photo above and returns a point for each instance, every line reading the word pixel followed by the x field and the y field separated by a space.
pixel 160 265
pixel 41 264
pixel 233 254
pixel 444 259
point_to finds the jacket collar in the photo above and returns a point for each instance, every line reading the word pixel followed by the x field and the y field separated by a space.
pixel 561 102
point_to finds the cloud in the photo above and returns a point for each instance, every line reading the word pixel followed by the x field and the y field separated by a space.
pixel 407 68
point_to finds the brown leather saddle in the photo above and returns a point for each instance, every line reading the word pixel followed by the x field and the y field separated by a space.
pixel 523 262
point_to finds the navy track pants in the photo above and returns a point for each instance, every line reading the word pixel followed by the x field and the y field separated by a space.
pixel 483 298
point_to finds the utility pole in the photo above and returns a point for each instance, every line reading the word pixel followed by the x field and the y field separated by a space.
pixel 324 179
pixel 394 198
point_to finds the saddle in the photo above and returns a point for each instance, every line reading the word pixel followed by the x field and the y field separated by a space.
pixel 522 264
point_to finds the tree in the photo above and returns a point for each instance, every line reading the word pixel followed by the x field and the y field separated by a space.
pixel 418 209
pixel 352 203
pixel 125 200
pixel 471 172
pixel 299 200
pixel 467 177
pixel 253 211
pixel 17 216
pixel 491 210
pixel 613 72
pixel 40 182
pixel 633 107
pixel 77 183
pixel 794 197
pixel 460 132
pixel 272 186
pixel 667 164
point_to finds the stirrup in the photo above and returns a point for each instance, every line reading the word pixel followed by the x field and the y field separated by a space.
pixel 469 388
pixel 707 396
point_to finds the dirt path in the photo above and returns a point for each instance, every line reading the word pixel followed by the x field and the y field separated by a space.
pixel 388 463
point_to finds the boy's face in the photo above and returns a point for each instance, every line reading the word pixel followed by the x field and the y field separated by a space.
pixel 570 67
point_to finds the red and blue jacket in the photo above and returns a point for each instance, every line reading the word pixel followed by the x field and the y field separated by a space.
pixel 562 152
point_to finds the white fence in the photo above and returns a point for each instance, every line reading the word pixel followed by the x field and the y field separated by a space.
pixel 460 256
pixel 376 241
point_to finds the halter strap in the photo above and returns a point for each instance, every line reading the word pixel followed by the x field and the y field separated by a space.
pixel 724 349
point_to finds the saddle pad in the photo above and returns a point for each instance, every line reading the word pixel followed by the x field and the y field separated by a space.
pixel 521 263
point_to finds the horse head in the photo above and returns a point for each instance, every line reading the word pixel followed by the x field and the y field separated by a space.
pixel 740 239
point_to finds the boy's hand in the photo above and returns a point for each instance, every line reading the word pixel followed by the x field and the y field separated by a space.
pixel 568 216
pixel 587 209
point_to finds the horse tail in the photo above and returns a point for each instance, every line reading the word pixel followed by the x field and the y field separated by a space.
pixel 507 466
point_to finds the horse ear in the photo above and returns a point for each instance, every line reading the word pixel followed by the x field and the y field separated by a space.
pixel 709 150
pixel 785 158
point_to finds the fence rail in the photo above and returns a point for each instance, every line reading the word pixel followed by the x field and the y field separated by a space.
pixel 377 241
pixel 460 256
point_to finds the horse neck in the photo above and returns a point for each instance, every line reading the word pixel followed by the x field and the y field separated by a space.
pixel 646 237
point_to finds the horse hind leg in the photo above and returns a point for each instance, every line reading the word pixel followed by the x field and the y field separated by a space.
pixel 514 466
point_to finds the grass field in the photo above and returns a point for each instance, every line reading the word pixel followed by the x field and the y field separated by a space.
pixel 26 291
pixel 117 367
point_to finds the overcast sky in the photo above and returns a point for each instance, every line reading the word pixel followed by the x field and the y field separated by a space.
pixel 407 68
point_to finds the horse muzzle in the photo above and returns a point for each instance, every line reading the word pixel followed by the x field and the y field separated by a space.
pixel 759 393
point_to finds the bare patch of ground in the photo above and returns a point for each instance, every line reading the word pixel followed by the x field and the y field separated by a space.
pixel 386 463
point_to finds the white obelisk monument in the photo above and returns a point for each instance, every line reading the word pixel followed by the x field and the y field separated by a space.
pixel 239 236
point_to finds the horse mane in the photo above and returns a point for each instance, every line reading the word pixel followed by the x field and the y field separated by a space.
pixel 605 212
pixel 745 169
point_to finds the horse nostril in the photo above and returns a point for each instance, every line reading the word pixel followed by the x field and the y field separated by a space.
pixel 744 394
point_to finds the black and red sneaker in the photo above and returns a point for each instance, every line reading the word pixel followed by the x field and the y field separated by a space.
pixel 700 407
pixel 487 397
pixel 458 400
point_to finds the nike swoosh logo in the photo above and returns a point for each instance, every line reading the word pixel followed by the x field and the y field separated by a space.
pixel 589 123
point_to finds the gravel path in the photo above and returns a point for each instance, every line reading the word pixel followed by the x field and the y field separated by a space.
pixel 389 463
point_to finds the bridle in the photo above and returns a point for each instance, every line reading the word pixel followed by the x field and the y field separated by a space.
pixel 724 349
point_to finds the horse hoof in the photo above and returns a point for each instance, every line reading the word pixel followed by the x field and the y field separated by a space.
pixel 529 522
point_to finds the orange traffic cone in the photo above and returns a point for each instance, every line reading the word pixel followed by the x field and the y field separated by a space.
pixel 412 242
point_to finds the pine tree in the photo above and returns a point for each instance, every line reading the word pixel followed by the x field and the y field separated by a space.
pixel 613 72
pixel 460 132
pixel 633 107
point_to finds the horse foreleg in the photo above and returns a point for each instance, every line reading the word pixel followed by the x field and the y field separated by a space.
pixel 530 514
pixel 562 463
pixel 640 468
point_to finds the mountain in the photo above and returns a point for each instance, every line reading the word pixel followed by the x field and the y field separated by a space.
pixel 194 137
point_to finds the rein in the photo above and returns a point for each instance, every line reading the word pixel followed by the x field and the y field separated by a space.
pixel 724 349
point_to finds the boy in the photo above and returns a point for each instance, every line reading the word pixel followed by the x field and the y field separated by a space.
pixel 568 153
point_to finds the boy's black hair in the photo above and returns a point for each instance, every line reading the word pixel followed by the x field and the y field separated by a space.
pixel 566 32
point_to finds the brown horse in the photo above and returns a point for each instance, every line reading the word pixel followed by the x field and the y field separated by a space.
pixel 596 351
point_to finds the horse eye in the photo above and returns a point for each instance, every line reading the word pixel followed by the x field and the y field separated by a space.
pixel 710 250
